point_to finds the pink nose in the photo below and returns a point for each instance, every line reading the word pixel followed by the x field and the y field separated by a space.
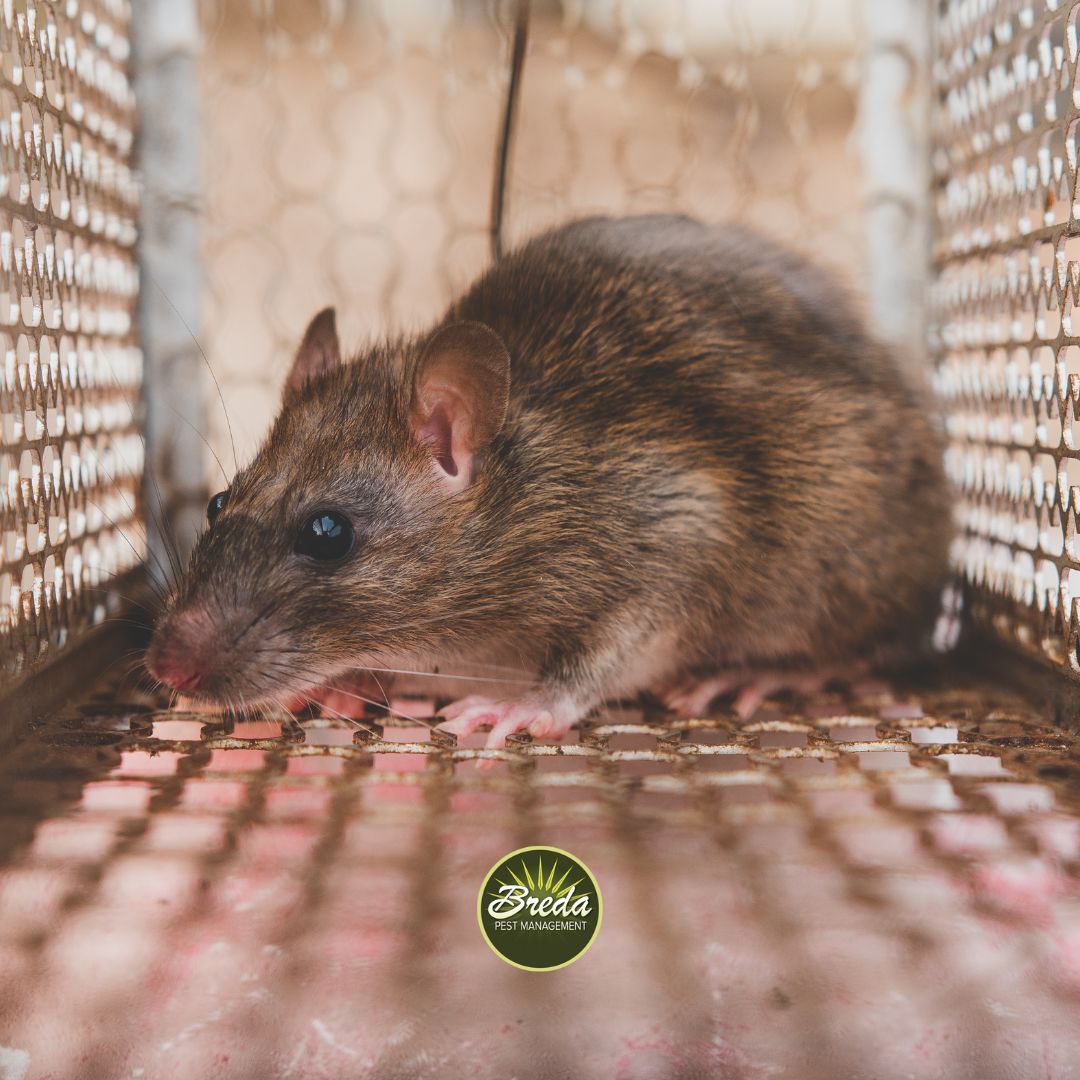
pixel 177 656
pixel 181 676
pixel 174 669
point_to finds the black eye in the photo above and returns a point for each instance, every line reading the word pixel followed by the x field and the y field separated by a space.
pixel 215 506
pixel 325 536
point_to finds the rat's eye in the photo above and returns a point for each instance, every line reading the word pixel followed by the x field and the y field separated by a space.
pixel 215 506
pixel 325 536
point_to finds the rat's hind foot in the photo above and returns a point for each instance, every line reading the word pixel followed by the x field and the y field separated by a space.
pixel 694 697
pixel 542 718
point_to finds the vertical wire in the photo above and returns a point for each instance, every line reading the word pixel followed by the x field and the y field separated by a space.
pixel 499 198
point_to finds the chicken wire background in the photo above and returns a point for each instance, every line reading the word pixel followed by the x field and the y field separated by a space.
pixel 71 446
pixel 345 155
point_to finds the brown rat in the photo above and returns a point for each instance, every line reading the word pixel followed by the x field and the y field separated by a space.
pixel 638 454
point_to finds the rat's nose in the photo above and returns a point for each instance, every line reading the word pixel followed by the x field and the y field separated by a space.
pixel 174 669
pixel 177 656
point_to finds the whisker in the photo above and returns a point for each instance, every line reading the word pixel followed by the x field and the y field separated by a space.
pixel 382 689
pixel 103 357
pixel 206 442
pixel 160 519
pixel 338 716
pixel 379 705
pixel 118 529
pixel 206 360
pixel 443 675
pixel 132 602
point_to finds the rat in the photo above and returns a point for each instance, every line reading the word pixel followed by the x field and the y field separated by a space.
pixel 637 455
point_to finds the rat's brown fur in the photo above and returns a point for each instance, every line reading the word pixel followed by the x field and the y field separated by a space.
pixel 706 463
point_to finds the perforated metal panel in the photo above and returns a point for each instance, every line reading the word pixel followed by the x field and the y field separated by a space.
pixel 70 448
pixel 878 884
pixel 1007 278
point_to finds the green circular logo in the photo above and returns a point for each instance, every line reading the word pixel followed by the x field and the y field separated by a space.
pixel 539 908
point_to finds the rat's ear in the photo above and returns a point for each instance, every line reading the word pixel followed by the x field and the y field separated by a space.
pixel 318 352
pixel 459 398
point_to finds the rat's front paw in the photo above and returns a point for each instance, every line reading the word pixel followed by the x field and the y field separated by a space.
pixel 540 717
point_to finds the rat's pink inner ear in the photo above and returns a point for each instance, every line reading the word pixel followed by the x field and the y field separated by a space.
pixel 319 352
pixel 460 398
pixel 437 434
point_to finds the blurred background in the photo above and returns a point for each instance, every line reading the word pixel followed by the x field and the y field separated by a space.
pixel 342 152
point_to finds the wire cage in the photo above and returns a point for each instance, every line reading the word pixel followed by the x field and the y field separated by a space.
pixel 880 880
pixel 72 451
pixel 1007 270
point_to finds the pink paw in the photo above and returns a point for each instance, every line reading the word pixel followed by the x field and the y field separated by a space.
pixel 754 687
pixel 541 719
pixel 694 697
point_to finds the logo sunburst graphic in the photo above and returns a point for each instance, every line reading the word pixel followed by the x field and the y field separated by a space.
pixel 536 884
pixel 539 908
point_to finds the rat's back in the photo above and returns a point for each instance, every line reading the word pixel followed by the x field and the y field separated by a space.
pixel 810 512
pixel 571 295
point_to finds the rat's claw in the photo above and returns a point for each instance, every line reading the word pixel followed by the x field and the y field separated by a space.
pixel 694 698
pixel 542 720
pixel 473 705
pixel 751 696
pixel 753 688
pixel 545 726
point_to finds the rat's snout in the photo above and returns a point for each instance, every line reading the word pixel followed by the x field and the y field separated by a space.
pixel 181 654
pixel 176 671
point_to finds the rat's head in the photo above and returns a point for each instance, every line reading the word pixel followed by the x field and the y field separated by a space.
pixel 337 543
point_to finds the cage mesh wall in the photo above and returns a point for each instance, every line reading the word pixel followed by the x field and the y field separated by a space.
pixel 1007 260
pixel 875 883
pixel 70 448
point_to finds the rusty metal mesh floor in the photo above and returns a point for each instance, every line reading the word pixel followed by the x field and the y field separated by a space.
pixel 870 884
